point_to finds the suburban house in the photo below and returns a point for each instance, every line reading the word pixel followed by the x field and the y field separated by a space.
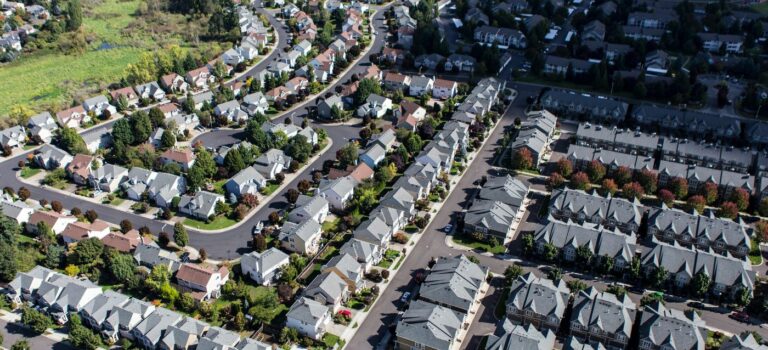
pixel 15 136
pixel 603 317
pixel 523 337
pixel 16 210
pixel 428 326
pixel 444 89
pixel 57 222
pixel 107 178
pixel 149 254
pixel 271 163
pixel 502 37
pixel 247 181
pixel 306 207
pixel 184 334
pixel 302 238
pixel 122 242
pixel 309 317
pixel 174 83
pixel 490 218
pixel 396 81
pixel 255 103
pixel 150 331
pixel 325 107
pixel 460 63
pixel 78 231
pixel 714 42
pixel 230 110
pixel 338 192
pixel 79 169
pixel 455 283
pixel 375 230
pixel 572 104
pixel 50 157
pixel 581 207
pixel 702 231
pixel 98 105
pixel 42 126
pixel 199 78
pixel 73 117
pixel 206 281
pixel 263 268
pixel 349 269
pixel 420 85
pixel 368 254
pixel 164 188
pixel 329 289
pixel 537 301
pixel 201 205
pixel 659 324
pixel 375 106
pixel 374 155
pixel 184 158
pixel 150 90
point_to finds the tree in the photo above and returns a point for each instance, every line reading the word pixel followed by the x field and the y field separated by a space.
pixel 649 180
pixel 54 256
pixel 697 203
pixel 617 290
pixel 728 210
pixel 623 175
pixel 633 190
pixel 667 197
pixel 700 283
pixel 196 177
pixel 125 226
pixel 122 267
pixel 584 256
pixel 609 187
pixel 74 15
pixel 168 139
pixel 204 160
pixel 70 141
pixel 576 286
pixel 80 336
pixel 299 148
pixel 709 191
pixel 56 206
pixel 550 252
pixel 580 181
pixel 366 87
pixel 122 131
pixel 528 243
pixel 385 174
pixel 649 299
pixel 522 159
pixel 72 270
pixel 91 215
pixel 21 344
pixel 292 195
pixel 762 208
pixel 23 193
pixel 555 180
pixel 595 170
pixel 303 186
pixel 259 243
pixel 203 254
pixel 744 297
pixel 555 274
pixel 180 235
pixel 142 126
pixel 564 167
pixel 234 162
pixel 37 321
pixel 348 154
pixel 761 230
pixel 88 251
pixel 511 273
pixel 606 264
pixel 741 197
pixel 659 276
pixel 679 187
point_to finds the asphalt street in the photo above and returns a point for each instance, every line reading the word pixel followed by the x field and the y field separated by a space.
pixel 231 243
pixel 13 333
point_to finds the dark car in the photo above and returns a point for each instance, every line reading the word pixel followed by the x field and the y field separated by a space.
pixel 740 316
pixel 697 305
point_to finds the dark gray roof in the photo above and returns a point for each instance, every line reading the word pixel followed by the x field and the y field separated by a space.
pixel 539 295
pixel 693 121
pixel 100 307
pixel 745 341
pixel 493 215
pixel 600 242
pixel 674 328
pixel 430 325
pixel 153 327
pixel 454 282
pixel 307 310
pixel 604 311
pixel 522 338
pixel 347 265
pixel 360 249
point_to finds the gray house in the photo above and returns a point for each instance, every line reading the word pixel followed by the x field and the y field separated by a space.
pixel 428 326
pixel 576 105
pixel 537 301
pixel 149 255
pixel 150 331
pixel 660 327
pixel 581 207
pixel 603 317
pixel 329 289
pixel 515 337
pixel 247 181
pixel 107 178
pixel 325 107
pixel 201 205
pixel 490 218
pixel 455 283
pixel 264 267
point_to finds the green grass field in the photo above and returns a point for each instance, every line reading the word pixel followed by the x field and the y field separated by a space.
pixel 48 78
pixel 220 222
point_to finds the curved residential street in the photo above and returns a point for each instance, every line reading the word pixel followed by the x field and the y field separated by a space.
pixel 232 243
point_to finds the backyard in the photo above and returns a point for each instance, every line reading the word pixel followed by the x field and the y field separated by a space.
pixel 115 38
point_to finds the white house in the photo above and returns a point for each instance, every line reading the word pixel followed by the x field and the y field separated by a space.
pixel 308 317
pixel 264 268
pixel 203 279
pixel 338 192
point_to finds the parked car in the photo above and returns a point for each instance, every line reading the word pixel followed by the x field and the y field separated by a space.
pixel 406 296
pixel 740 316
pixel 448 228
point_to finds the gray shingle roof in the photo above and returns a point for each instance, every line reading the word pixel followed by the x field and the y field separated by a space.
pixel 539 295
pixel 218 339
pixel 429 324
pixel 327 286
pixel 153 327
pixel 576 201
pixel 604 311
pixel 347 265
pixel 307 310
pixel 453 282
pixel 304 230
pixel 308 206
pixel 573 343
pixel 184 333
pixel 202 203
pixel 506 189
pixel 265 260
pixel 372 230
pixel 600 242
pixel 745 341
pixel 151 255
pixel 522 338
pixel 674 328
pixel 100 307
pixel 492 215
pixel 359 249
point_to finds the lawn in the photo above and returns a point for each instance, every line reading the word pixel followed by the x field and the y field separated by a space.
pixel 331 225
pixel 329 340
pixel 271 187
pixel 471 243
pixel 755 255
pixel 220 222
pixel 116 37
pixel 762 8
pixel 28 172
